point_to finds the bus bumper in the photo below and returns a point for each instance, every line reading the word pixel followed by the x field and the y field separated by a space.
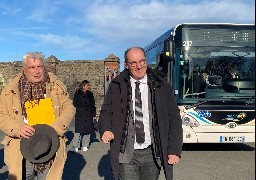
pixel 191 136
pixel 225 138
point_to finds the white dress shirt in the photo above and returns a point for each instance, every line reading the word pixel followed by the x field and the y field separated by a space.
pixel 144 98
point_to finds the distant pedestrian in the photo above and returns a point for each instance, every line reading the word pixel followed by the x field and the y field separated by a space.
pixel 85 116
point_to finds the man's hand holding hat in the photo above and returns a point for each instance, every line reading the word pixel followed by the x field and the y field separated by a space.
pixel 26 131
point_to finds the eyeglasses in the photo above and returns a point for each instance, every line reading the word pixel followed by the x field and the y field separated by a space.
pixel 135 63
pixel 33 68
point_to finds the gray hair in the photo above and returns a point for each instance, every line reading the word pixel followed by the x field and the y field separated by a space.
pixel 34 55
pixel 135 47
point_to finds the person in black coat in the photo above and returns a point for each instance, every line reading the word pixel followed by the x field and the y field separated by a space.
pixel 85 115
pixel 141 121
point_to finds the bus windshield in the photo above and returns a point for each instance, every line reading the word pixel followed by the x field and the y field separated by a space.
pixel 216 72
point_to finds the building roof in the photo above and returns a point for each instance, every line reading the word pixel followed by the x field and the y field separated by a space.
pixel 52 59
pixel 112 57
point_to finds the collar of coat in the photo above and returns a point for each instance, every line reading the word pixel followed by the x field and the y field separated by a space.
pixel 13 83
pixel 155 77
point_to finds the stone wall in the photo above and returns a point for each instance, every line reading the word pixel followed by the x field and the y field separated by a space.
pixel 72 72
pixel 7 70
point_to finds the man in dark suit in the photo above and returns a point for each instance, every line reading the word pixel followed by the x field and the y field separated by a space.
pixel 141 121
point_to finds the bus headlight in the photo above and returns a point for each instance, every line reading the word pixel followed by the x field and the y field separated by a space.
pixel 189 121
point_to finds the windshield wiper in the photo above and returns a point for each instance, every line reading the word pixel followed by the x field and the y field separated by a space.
pixel 194 94
pixel 248 99
pixel 196 104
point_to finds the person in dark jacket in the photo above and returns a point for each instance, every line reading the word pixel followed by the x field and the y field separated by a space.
pixel 85 115
pixel 141 121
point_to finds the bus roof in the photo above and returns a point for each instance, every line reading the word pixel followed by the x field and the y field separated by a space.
pixel 211 24
pixel 171 32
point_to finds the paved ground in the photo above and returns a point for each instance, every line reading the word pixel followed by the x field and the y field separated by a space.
pixel 199 162
pixel 91 165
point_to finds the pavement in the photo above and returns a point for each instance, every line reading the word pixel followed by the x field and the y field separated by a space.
pixel 204 161
pixel 93 164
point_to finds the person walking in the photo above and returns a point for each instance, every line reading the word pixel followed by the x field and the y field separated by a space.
pixel 85 115
pixel 141 121
pixel 34 84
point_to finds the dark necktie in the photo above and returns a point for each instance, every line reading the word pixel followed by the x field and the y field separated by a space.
pixel 139 127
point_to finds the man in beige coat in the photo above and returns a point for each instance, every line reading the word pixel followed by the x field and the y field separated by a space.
pixel 33 83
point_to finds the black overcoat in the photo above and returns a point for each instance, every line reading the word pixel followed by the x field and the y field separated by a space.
pixel 85 111
pixel 114 112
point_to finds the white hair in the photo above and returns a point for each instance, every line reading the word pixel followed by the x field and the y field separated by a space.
pixel 34 55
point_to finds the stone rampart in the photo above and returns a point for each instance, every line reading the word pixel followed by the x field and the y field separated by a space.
pixel 72 72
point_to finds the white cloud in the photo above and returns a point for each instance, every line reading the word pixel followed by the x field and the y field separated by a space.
pixel 65 42
pixel 6 10
pixel 43 12
pixel 118 23
pixel 22 28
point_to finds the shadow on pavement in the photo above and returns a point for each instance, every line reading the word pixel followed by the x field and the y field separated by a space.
pixel 93 138
pixel 3 171
pixel 75 162
pixel 4 175
pixel 73 167
pixel 69 135
pixel 104 169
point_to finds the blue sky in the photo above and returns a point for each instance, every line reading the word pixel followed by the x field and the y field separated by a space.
pixel 93 29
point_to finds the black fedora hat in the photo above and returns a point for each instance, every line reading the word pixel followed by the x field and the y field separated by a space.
pixel 41 146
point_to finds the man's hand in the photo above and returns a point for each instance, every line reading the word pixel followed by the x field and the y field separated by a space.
pixel 26 131
pixel 107 137
pixel 173 159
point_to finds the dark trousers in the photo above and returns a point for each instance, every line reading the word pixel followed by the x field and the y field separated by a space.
pixel 141 167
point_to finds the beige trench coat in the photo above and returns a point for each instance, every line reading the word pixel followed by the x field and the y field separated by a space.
pixel 11 120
